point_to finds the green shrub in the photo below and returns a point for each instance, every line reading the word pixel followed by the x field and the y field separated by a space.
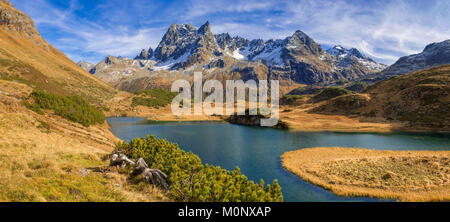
pixel 153 98
pixel 73 108
pixel 34 107
pixel 291 100
pixel 329 93
pixel 357 86
pixel 307 90
pixel 189 180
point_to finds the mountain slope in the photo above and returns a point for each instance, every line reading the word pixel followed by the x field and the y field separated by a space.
pixel 26 57
pixel 44 156
pixel 434 54
pixel 420 99
pixel 345 57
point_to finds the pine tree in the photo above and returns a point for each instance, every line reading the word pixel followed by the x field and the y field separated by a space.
pixel 189 180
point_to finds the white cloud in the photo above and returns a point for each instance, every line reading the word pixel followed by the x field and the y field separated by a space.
pixel 250 31
pixel 385 30
pixel 81 35
pixel 197 8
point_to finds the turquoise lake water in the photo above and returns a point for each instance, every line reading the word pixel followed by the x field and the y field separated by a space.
pixel 257 150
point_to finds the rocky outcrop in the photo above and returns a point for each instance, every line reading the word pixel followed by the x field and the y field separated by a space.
pixel 186 42
pixel 85 65
pixel 6 2
pixel 120 159
pixel 19 24
pixel 145 54
pixel 153 176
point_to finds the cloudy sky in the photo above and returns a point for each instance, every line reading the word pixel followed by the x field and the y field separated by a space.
pixel 385 29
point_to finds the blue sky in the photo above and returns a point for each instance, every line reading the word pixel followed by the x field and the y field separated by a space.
pixel 385 29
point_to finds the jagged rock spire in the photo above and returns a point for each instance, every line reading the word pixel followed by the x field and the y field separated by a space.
pixel 301 39
pixel 145 54
pixel 205 28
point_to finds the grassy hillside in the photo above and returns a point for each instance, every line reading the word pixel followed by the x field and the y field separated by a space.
pixel 420 100
pixel 48 158
pixel 329 93
pixel 52 140
pixel 51 71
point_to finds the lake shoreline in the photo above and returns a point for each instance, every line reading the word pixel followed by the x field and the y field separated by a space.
pixel 382 174
pixel 299 120
pixel 311 124
pixel 227 145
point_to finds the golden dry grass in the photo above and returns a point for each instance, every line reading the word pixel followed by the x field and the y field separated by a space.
pixel 298 119
pixel 402 175
pixel 50 70
pixel 47 158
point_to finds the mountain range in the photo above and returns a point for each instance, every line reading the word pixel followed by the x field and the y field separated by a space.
pixel 294 60
pixel 297 59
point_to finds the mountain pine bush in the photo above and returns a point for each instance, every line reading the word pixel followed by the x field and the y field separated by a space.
pixel 330 93
pixel 191 181
pixel 153 98
pixel 73 108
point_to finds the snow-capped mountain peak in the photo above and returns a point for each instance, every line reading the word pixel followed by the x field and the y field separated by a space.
pixel 184 48
pixel 345 56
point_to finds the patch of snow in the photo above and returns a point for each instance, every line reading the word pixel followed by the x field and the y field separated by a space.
pixel 291 46
pixel 167 65
pixel 343 55
pixel 236 54
pixel 372 65
pixel 272 57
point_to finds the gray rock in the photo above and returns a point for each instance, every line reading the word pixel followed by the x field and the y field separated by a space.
pixel 119 159
pixel 84 172
pixel 85 65
pixel 141 165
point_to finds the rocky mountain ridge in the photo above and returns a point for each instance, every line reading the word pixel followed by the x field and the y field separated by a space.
pixel 434 54
pixel 297 59
pixel 85 65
